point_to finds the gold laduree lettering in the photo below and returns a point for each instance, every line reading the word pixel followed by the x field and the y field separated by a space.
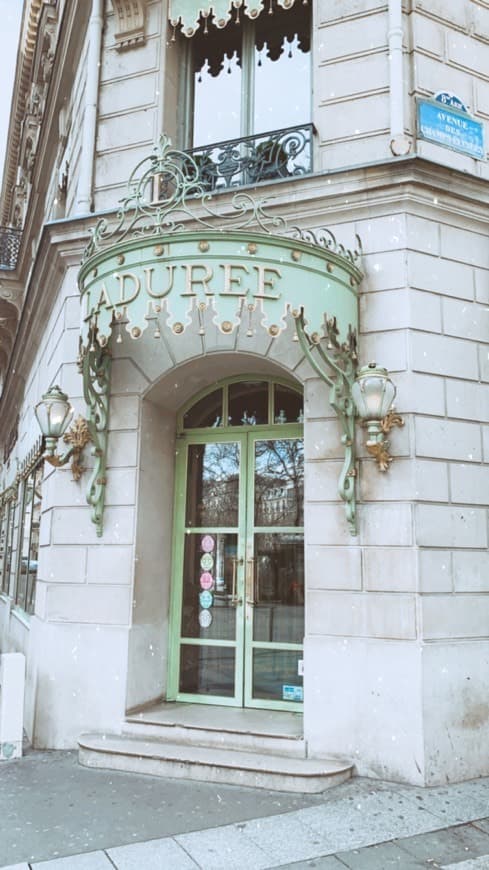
pixel 267 283
pixel 230 280
pixel 104 300
pixel 149 282
pixel 191 280
pixel 87 309
pixel 122 277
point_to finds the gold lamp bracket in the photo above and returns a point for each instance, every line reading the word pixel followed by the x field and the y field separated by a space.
pixel 78 436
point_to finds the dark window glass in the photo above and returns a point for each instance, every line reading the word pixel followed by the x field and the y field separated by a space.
pixel 288 406
pixel 207 670
pixel 205 412
pixel 278 588
pixel 209 583
pixel 4 537
pixel 248 403
pixel 275 675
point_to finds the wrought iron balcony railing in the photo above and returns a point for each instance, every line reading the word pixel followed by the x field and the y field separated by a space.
pixel 9 247
pixel 279 154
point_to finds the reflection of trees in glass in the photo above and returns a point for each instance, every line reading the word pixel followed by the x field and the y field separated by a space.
pixel 213 483
pixel 279 482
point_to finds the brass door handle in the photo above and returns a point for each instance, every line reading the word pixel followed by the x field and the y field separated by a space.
pixel 235 601
pixel 250 581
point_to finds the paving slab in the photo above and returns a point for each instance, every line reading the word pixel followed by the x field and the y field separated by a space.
pixel 324 863
pixel 152 856
pixel 228 848
pixel 368 819
pixel 16 867
pixel 482 824
pixel 455 844
pixel 453 804
pixel 383 857
pixel 285 839
pixel 472 864
pixel 88 861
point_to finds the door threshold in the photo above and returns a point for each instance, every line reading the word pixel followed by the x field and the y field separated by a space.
pixel 245 720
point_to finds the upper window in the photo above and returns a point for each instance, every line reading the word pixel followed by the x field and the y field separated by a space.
pixel 19 540
pixel 251 79
pixel 244 402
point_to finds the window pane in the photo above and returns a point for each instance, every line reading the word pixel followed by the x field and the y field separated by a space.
pixel 248 403
pixel 34 542
pixel 205 412
pixel 213 484
pixel 217 85
pixel 209 581
pixel 287 405
pixel 207 670
pixel 282 69
pixel 26 540
pixel 278 588
pixel 4 527
pixel 279 482
pixel 275 675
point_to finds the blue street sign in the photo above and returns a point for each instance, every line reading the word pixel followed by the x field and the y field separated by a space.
pixel 454 129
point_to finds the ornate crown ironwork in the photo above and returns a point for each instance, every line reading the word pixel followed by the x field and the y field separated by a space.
pixel 166 194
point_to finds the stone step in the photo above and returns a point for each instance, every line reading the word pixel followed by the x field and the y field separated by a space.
pixel 211 764
pixel 243 729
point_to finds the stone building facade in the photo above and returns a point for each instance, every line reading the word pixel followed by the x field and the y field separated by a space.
pixel 395 658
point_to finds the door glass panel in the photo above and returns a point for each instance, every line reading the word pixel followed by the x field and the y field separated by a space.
pixel 209 587
pixel 278 614
pixel 205 412
pixel 248 403
pixel 287 406
pixel 213 484
pixel 207 670
pixel 276 675
pixel 279 482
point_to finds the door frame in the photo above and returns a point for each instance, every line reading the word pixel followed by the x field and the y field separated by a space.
pixel 245 533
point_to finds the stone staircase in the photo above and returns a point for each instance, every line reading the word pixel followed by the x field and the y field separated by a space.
pixel 256 748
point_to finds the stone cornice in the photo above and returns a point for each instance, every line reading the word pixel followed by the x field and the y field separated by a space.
pixel 411 185
pixel 25 57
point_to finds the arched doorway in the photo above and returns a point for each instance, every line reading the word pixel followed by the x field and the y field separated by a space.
pixel 237 610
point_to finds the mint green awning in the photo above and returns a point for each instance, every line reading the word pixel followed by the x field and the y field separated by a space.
pixel 188 12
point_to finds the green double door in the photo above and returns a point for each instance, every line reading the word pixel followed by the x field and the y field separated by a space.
pixel 238 592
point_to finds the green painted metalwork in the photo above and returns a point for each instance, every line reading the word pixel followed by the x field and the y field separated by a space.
pixel 188 12
pixel 169 258
pixel 95 366
pixel 243 644
pixel 336 363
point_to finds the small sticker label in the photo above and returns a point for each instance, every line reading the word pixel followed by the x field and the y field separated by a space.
pixel 205 599
pixel 292 693
pixel 206 580
pixel 205 618
pixel 206 562
pixel 300 668
pixel 207 544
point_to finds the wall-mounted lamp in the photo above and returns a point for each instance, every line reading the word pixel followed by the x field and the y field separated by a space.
pixel 54 414
pixel 373 393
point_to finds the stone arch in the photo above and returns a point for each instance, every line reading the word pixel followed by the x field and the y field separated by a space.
pixel 159 401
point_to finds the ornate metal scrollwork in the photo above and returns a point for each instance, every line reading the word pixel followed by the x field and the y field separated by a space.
pixel 95 366
pixel 336 364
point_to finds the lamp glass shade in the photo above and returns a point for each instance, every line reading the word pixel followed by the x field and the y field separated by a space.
pixel 373 392
pixel 54 413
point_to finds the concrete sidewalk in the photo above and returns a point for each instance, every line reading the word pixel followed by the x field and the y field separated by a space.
pixel 56 815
